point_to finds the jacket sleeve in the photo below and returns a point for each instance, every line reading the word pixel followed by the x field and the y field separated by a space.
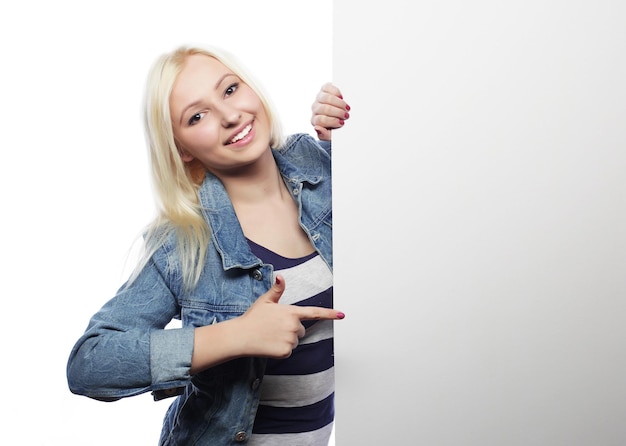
pixel 326 145
pixel 126 349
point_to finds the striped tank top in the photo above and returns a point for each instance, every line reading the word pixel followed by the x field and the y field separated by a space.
pixel 297 394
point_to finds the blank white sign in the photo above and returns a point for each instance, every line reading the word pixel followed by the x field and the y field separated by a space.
pixel 480 223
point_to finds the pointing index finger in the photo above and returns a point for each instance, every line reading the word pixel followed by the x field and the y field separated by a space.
pixel 318 313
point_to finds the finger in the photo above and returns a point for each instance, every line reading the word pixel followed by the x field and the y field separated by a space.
pixel 330 111
pixel 328 104
pixel 276 291
pixel 323 133
pixel 300 333
pixel 331 95
pixel 330 88
pixel 327 122
pixel 318 313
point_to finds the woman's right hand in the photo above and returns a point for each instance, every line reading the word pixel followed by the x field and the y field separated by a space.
pixel 267 329
pixel 272 329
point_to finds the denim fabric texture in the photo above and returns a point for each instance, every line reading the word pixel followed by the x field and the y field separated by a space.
pixel 125 350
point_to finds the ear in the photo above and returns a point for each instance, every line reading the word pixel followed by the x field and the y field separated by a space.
pixel 184 155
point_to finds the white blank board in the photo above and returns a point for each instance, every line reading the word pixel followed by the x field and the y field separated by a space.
pixel 480 223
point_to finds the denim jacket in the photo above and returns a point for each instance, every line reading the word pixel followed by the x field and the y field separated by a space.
pixel 126 351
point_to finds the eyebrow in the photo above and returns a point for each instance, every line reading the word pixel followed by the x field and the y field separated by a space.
pixel 194 103
pixel 221 79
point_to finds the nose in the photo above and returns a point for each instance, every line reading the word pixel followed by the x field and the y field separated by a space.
pixel 231 116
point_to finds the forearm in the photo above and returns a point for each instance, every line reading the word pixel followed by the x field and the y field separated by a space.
pixel 106 364
pixel 215 344
pixel 125 350
pixel 106 367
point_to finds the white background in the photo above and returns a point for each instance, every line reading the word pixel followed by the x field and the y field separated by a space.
pixel 480 223
pixel 485 156
pixel 74 176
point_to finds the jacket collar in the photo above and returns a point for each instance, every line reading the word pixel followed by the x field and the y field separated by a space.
pixel 226 232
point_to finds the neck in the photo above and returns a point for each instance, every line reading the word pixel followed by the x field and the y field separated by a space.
pixel 257 183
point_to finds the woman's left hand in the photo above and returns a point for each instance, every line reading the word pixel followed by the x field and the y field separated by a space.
pixel 329 111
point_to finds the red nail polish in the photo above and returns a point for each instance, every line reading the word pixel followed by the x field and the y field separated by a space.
pixel 340 315
pixel 341 122
pixel 340 97
pixel 347 115
pixel 347 107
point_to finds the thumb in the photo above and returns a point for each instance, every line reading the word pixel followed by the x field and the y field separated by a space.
pixel 277 289
pixel 323 133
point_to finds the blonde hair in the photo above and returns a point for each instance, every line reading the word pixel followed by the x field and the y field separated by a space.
pixel 177 183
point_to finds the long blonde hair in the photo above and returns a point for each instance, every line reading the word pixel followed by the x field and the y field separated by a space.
pixel 177 183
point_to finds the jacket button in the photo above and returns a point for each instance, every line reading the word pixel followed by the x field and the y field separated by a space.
pixel 240 436
pixel 257 274
pixel 256 383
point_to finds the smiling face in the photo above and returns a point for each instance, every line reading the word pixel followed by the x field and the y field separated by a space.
pixel 217 119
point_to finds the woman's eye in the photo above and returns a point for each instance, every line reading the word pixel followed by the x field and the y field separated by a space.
pixel 231 89
pixel 195 118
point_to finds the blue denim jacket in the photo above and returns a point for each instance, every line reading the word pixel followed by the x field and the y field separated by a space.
pixel 125 350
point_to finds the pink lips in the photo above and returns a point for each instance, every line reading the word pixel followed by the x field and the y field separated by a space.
pixel 248 134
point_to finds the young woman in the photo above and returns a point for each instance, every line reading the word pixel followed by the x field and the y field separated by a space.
pixel 241 252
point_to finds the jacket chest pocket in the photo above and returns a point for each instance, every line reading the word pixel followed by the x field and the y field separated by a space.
pixel 219 300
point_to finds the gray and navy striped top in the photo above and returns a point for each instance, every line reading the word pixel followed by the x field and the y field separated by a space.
pixel 297 393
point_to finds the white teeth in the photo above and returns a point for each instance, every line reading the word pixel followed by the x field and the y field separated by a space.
pixel 241 134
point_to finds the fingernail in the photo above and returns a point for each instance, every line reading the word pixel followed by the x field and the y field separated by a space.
pixel 347 115
pixel 341 122
pixel 340 97
pixel 347 107
pixel 340 315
